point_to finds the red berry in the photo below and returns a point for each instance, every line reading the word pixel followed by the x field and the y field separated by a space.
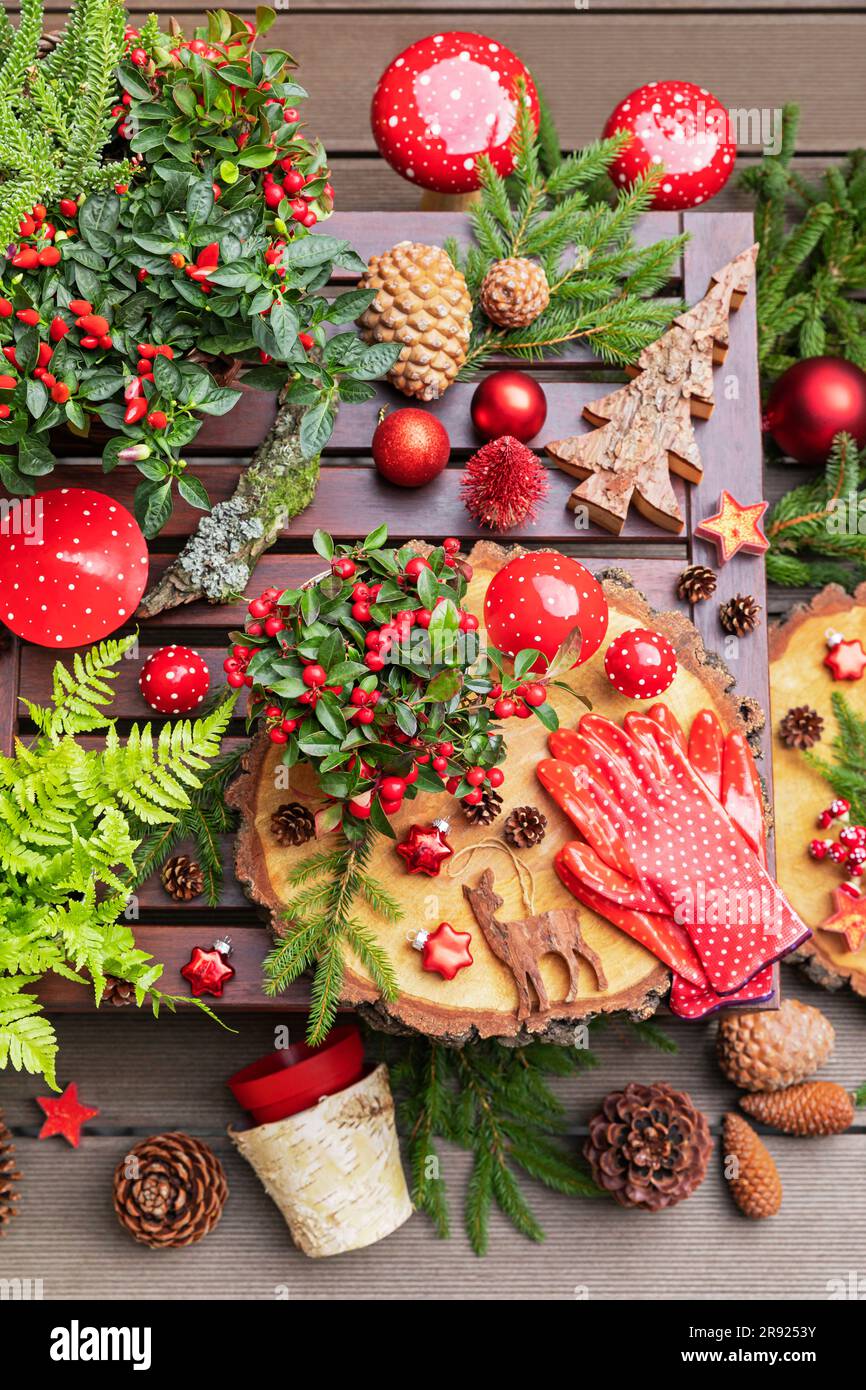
pixel 446 749
pixel 60 393
pixel 58 329
pixel 475 776
pixel 504 708
pixel 358 696
pixel 49 255
pixel 452 784
pixel 451 545
pixel 392 788
pixel 273 711
pixel 235 680
pixel 290 114
pixel 411 776
pixel 273 195
pixel 306 341
pixel 364 715
pixel 523 711
pixel 260 607
pixel 7 383
pixel 26 259
pixel 496 777
pixel 373 661
pixel 273 625
pixel 6 308
pixel 535 694
pixel 344 567
pixel 359 810
pixel 422 617
pixel 138 57
pixel 277 735
pixel 28 316
pixel 68 207
pixel 440 764
pixel 78 307
pixel 255 629
pixel 416 565
pixel 314 675
pixel 472 798
pixel 468 622
pixel 293 182
pixel 157 419
pixel 390 807
pixel 361 612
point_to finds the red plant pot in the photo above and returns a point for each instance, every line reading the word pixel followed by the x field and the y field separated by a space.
pixel 296 1077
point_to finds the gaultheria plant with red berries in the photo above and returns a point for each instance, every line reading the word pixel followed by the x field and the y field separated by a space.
pixel 139 305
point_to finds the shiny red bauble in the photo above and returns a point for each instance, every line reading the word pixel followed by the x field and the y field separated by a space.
pixel 446 100
pixel 174 680
pixel 509 402
pixel 640 664
pixel 410 447
pixel 812 402
pixel 73 566
pixel 538 599
pixel 680 128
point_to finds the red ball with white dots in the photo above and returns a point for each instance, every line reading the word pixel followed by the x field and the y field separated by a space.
pixel 682 130
pixel 174 680
pixel 444 101
pixel 640 664
pixel 538 599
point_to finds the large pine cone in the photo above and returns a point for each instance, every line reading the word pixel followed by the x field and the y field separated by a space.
pixel 514 292
pixel 421 301
pixel 752 1176
pixel 9 1177
pixel 812 1107
pixel 771 1049
pixel 169 1190
pixel 648 1146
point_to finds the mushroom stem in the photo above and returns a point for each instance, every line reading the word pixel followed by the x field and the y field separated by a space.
pixel 431 201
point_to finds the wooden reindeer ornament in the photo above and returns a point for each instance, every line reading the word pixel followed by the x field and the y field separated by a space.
pixel 521 945
pixel 645 429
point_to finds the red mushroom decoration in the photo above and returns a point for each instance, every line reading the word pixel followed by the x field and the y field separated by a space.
pixel 444 101
pixel 73 566
pixel 174 680
pixel 679 128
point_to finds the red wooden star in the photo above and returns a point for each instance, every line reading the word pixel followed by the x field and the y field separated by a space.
pixel 425 848
pixel 847 660
pixel 849 919
pixel 446 951
pixel 734 527
pixel 65 1115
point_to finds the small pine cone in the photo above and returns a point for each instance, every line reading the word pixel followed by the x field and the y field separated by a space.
pixel 169 1190
pixel 182 878
pixel 293 824
pixel 770 1049
pixel 9 1177
pixel 648 1146
pixel 514 292
pixel 752 1176
pixel 486 810
pixel 696 584
pixel 801 727
pixel 739 615
pixel 524 827
pixel 118 992
pixel 813 1107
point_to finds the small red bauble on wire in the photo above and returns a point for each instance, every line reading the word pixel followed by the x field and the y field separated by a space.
pixel 812 402
pixel 640 664
pixel 680 128
pixel 174 680
pixel 410 447
pixel 509 402
pixel 445 950
pixel 72 568
pixel 426 848
pixel 208 971
pixel 538 599
pixel 503 484
pixel 845 657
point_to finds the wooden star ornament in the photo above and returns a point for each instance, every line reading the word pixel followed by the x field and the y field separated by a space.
pixel 849 919
pixel 65 1115
pixel 735 527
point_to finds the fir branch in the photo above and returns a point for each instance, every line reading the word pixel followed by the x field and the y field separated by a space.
pixel 846 773
pixel 814 530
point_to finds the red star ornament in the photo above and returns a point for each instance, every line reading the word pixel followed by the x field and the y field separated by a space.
pixel 425 848
pixel 847 660
pixel 208 971
pixel 849 919
pixel 65 1115
pixel 445 950
pixel 734 527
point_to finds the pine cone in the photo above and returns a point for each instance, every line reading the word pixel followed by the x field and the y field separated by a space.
pixel 813 1107
pixel 9 1176
pixel 118 992
pixel 696 583
pixel 486 810
pixel 769 1050
pixel 525 826
pixel 169 1190
pixel 648 1146
pixel 514 292
pixel 739 615
pixel 182 878
pixel 752 1176
pixel 801 727
pixel 421 301
pixel 293 824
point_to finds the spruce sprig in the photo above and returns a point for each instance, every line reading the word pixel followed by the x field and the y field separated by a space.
pixel 496 1103
pixel 846 773
pixel 322 926
pixel 599 278
pixel 814 530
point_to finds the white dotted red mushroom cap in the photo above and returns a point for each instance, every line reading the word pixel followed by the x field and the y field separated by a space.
pixel 682 128
pixel 73 566
pixel 444 101
pixel 538 599
pixel 174 679
pixel 640 664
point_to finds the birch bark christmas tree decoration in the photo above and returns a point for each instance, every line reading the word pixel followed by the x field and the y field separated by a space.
pixel 645 429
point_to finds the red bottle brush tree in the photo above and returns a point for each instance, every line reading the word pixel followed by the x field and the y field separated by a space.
pixel 503 484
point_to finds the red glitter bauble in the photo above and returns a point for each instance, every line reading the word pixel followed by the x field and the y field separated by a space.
pixel 812 402
pixel 538 599
pixel 503 484
pixel 680 128
pixel 509 402
pixel 410 447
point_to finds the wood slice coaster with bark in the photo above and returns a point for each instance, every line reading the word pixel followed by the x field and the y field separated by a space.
pixel 798 676
pixel 614 974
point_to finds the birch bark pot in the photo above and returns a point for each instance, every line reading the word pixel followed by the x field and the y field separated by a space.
pixel 334 1170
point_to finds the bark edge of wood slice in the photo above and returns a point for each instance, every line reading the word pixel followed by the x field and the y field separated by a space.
pixel 482 1000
